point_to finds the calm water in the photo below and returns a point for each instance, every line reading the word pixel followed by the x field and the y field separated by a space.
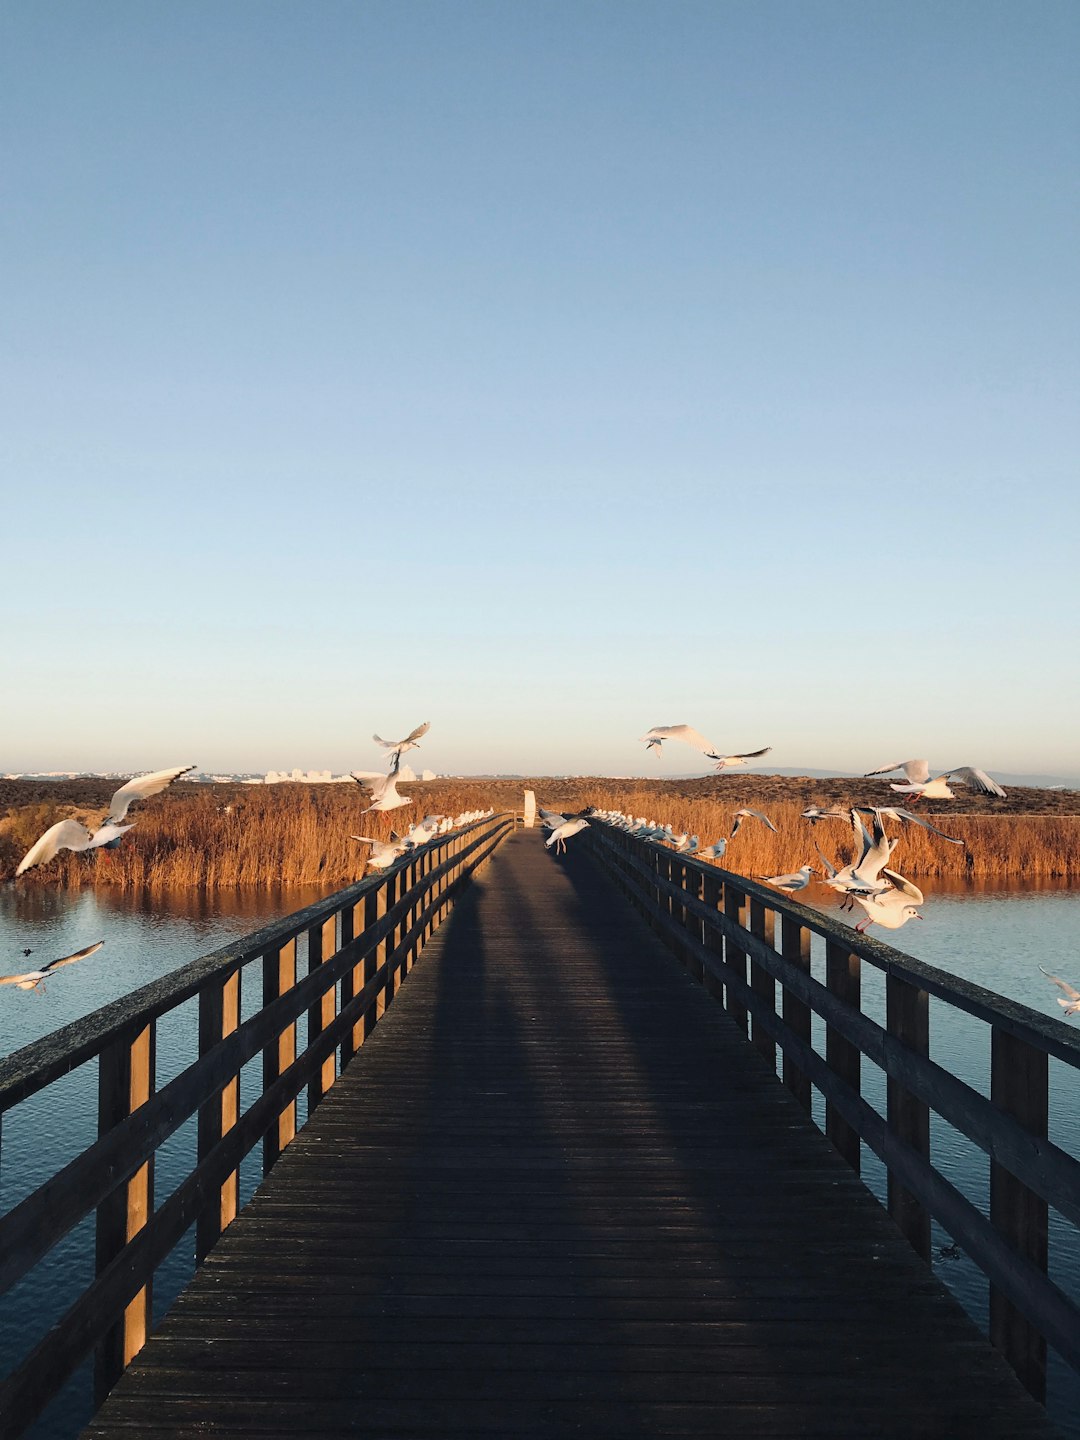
pixel 995 938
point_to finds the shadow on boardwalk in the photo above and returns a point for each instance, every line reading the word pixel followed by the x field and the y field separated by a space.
pixel 558 1193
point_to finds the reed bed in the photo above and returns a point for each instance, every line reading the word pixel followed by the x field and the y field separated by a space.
pixel 253 837
pixel 1015 847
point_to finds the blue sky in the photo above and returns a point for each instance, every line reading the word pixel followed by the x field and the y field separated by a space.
pixel 547 371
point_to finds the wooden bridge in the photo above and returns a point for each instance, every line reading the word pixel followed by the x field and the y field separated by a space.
pixel 559 1187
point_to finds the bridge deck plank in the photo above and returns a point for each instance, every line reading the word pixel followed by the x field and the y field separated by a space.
pixel 559 1193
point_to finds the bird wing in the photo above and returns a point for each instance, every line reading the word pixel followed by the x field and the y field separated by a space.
pixel 686 733
pixel 1070 990
pixel 906 886
pixel 140 787
pixel 70 959
pixel 829 866
pixel 106 834
pixel 415 734
pixel 746 755
pixel 64 835
pixel 977 779
pixel 917 771
pixel 763 818
pixel 907 816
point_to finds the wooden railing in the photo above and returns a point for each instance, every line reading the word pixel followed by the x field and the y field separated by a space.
pixel 360 943
pixel 723 927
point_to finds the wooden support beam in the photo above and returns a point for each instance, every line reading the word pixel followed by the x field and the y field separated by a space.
pixel 795 942
pixel 279 975
pixel 843 978
pixel 219 1015
pixel 322 944
pixel 907 1012
pixel 125 1081
pixel 762 924
pixel 1019 1085
pixel 734 957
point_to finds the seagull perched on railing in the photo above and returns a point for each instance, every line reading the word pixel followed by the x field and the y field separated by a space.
pixel 397 748
pixel 73 834
pixel 920 784
pixel 31 979
pixel 796 881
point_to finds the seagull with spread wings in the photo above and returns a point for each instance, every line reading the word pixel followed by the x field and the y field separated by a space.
pixel 655 737
pixel 921 784
pixel 31 979
pixel 741 815
pixel 396 748
pixel 891 907
pixel 73 834
pixel 1072 1005
pixel 384 792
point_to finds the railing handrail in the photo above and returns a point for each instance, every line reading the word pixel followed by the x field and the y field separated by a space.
pixel 1046 1031
pixel 36 1065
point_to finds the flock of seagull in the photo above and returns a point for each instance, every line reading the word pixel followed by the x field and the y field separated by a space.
pixel 883 893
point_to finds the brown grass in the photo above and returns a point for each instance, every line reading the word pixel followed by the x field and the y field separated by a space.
pixel 294 835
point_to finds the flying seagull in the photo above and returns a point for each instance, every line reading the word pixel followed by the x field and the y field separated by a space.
pixel 384 794
pixel 397 748
pixel 1072 1005
pixel 920 783
pixel 741 815
pixel 31 979
pixel 73 835
pixel 892 907
pixel 724 762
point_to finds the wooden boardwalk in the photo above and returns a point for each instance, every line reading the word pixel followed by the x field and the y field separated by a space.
pixel 558 1193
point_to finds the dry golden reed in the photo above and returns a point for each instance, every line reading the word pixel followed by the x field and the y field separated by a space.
pixel 267 837
pixel 1021 847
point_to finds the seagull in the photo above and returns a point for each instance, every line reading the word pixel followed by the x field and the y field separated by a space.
pixel 715 851
pixel 724 762
pixel 397 748
pixel 875 853
pixel 68 835
pixel 383 789
pixel 798 881
pixel 655 737
pixel 73 835
pixel 383 852
pixel 562 833
pixel 1072 1005
pixel 741 815
pixel 920 783
pixel 891 907
pixel 833 813
pixel 31 979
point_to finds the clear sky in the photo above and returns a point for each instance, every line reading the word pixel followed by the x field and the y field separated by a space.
pixel 544 370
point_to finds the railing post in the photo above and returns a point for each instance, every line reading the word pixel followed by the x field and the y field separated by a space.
pixel 762 926
pixel 843 979
pixel 907 1016
pixel 395 888
pixel 795 940
pixel 219 1015
pixel 1019 1085
pixel 352 926
pixel 322 945
pixel 712 894
pixel 734 956
pixel 279 976
pixel 374 910
pixel 692 882
pixel 125 1081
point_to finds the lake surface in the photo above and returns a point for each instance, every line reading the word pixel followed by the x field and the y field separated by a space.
pixel 996 938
